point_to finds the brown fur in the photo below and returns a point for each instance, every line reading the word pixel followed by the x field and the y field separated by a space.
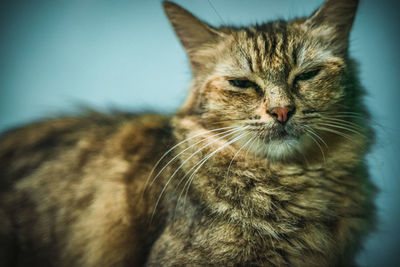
pixel 91 191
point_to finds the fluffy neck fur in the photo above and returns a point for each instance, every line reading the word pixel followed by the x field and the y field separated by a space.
pixel 304 212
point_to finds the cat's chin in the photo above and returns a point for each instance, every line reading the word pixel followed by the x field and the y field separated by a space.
pixel 279 149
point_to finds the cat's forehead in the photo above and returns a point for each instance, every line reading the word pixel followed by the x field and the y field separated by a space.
pixel 273 49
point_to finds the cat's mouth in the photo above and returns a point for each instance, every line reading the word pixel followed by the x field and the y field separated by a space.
pixel 274 133
pixel 278 141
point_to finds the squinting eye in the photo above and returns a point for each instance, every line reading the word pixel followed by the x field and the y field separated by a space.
pixel 306 76
pixel 244 84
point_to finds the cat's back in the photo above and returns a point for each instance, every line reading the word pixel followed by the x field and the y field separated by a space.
pixel 69 183
pixel 75 142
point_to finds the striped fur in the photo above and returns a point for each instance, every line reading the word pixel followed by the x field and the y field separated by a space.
pixel 223 182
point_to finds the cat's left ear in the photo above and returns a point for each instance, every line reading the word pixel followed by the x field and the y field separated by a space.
pixel 334 21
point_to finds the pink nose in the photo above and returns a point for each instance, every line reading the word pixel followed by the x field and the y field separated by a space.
pixel 281 114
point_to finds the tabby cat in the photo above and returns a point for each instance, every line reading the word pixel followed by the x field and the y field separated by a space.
pixel 264 165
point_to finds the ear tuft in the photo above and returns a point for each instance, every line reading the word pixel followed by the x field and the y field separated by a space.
pixel 191 31
pixel 337 16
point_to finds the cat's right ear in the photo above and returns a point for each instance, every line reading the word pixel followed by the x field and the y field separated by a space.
pixel 192 32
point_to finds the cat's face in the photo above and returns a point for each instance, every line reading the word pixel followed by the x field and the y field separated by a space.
pixel 274 81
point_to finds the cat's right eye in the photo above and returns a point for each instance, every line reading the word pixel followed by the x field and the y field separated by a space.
pixel 243 83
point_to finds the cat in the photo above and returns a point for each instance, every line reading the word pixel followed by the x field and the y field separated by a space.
pixel 263 165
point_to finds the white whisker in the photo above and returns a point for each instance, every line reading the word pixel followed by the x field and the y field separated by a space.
pixel 344 123
pixel 316 135
pixel 175 146
pixel 180 153
pixel 339 127
pixel 250 147
pixel 201 163
pixel 187 159
pixel 335 132
pixel 316 142
pixel 237 152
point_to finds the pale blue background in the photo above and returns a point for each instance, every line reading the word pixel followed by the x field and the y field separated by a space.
pixel 55 55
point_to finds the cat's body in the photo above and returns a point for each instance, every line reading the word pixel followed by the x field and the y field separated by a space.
pixel 77 202
pixel 91 191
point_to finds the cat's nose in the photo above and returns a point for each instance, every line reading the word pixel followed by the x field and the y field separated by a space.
pixel 281 114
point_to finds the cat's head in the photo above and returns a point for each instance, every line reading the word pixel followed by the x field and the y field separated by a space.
pixel 285 83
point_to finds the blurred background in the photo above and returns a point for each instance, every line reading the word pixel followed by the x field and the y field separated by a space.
pixel 56 55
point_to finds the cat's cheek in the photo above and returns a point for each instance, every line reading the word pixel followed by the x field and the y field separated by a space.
pixel 319 95
pixel 223 107
pixel 307 93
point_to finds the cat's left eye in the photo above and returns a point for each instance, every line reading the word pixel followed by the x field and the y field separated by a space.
pixel 306 75
pixel 243 83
